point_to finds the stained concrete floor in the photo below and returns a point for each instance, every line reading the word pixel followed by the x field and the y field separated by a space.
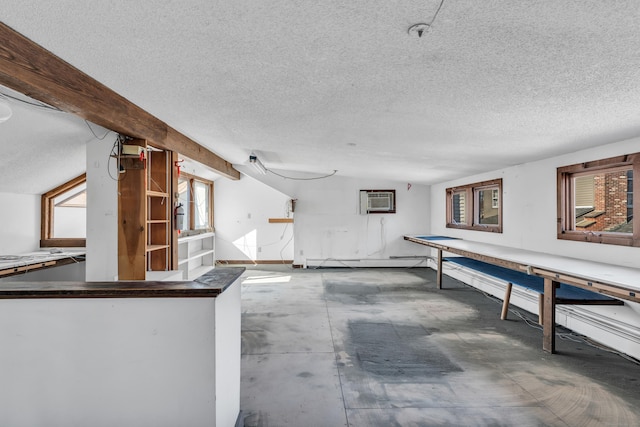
pixel 384 347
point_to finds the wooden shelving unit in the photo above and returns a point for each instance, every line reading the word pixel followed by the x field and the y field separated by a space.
pixel 147 243
pixel 158 189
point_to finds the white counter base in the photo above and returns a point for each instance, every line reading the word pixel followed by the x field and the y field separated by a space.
pixel 120 361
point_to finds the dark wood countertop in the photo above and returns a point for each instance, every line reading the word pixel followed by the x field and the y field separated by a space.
pixel 209 285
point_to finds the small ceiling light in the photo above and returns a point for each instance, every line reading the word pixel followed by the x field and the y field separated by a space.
pixel 5 111
pixel 257 164
pixel 418 29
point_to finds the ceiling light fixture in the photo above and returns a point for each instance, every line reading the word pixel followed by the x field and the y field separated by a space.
pixel 422 27
pixel 419 29
pixel 257 164
pixel 5 111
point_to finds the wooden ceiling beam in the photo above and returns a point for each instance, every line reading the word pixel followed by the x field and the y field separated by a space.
pixel 30 69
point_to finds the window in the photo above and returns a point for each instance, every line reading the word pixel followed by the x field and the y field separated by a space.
pixel 629 195
pixel 595 201
pixel 201 204
pixel 64 214
pixel 475 206
pixel 184 198
pixel 459 207
pixel 196 196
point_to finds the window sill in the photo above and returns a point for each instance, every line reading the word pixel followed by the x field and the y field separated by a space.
pixel 486 228
pixel 603 238
pixel 63 243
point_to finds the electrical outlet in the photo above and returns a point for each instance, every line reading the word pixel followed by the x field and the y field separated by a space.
pixel 259 248
pixel 249 216
pixel 301 252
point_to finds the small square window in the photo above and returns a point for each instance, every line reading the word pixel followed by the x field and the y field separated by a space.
pixel 475 206
pixel 597 203
pixel 195 194
pixel 64 215
pixel 487 206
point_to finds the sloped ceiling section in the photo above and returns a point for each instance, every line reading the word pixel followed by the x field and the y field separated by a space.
pixel 317 86
pixel 41 147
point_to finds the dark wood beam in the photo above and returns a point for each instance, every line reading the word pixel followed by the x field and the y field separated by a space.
pixel 30 69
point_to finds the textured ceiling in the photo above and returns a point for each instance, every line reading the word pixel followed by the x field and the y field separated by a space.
pixel 42 148
pixel 314 86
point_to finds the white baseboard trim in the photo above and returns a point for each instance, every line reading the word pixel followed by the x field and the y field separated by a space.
pixel 367 263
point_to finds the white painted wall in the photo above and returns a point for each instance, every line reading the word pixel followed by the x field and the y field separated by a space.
pixel 102 212
pixel 21 235
pixel 529 208
pixel 328 225
pixel 20 219
pixel 228 349
pixel 242 209
pixel 529 222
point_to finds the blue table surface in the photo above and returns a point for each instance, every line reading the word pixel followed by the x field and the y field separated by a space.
pixel 534 283
pixel 435 238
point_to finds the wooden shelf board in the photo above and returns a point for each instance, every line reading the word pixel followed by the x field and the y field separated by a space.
pixel 125 156
pixel 280 220
pixel 156 247
pixel 157 221
pixel 152 193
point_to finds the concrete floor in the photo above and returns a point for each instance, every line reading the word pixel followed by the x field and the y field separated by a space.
pixel 384 347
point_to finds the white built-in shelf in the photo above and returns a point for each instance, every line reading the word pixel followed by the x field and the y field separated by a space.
pixel 196 254
pixel 194 237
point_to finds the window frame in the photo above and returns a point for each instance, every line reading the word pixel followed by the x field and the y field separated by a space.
pixel 471 208
pixel 192 215
pixel 46 217
pixel 565 202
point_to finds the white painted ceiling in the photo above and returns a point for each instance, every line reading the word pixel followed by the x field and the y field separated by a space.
pixel 314 86
pixel 41 148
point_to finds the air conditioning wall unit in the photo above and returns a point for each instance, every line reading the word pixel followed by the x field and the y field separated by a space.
pixel 377 201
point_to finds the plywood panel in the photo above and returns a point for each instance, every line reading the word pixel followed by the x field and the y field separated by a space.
pixel 132 216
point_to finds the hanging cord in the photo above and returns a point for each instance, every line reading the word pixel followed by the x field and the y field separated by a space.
pixel 435 15
pixel 36 104
pixel 284 247
pixel 94 134
pixel 302 179
pixel 115 153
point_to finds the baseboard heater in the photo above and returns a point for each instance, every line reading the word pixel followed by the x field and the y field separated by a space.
pixel 419 261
